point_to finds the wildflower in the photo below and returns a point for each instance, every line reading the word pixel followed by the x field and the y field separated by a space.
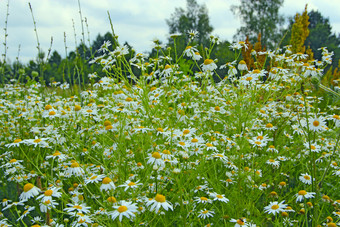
pixel 219 197
pixel 29 191
pixel 202 200
pixel 126 209
pixel 130 184
pixel 242 66
pixel 57 155
pixel 25 213
pixel 241 222
pixel 303 194
pixel 48 194
pixel 275 207
pixel 75 169
pixel 107 184
pixel 317 124
pixel 305 178
pixel 206 214
pixel 273 162
pixel 158 202
pixel 77 208
pixel 156 159
pixel 208 65
pixel 94 178
pixel 48 204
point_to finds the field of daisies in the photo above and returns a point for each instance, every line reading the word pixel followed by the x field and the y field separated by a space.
pixel 179 145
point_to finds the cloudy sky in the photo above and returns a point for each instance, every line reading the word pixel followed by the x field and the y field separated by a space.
pixel 135 21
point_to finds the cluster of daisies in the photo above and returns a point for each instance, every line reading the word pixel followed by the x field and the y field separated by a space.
pixel 172 147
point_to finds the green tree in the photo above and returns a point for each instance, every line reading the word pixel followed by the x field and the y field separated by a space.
pixel 260 16
pixel 194 18
pixel 320 35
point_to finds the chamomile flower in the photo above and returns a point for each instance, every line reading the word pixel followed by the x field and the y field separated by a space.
pixel 94 178
pixel 158 202
pixel 130 184
pixel 305 178
pixel 156 159
pixel 206 214
pixel 241 222
pixel 29 191
pixel 77 208
pixel 202 199
pixel 125 209
pixel 275 207
pixel 48 194
pixel 75 170
pixel 302 194
pixel 317 124
pixel 218 197
pixel 107 184
pixel 208 65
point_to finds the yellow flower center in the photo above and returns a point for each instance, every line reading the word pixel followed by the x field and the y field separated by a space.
pixel 48 193
pixel 160 130
pixel 204 198
pixel 37 140
pixel 306 177
pixel 194 140
pixel 166 152
pixel 48 107
pixel 17 140
pixel 269 125
pixel 131 184
pixel 112 199
pixel 208 61
pixel 209 145
pixel 74 165
pixel 302 192
pixel 28 187
pixel 316 123
pixel 206 211
pixel 249 78
pixel 12 160
pixel 240 221
pixel 51 113
pixel 182 143
pixel 106 180
pixel 77 207
pixel 186 131
pixel 93 177
pixel 275 207
pixel 122 209
pixel 217 108
pixel 77 107
pixel 259 138
pixel 156 155
pixel 57 153
pixel 160 198
pixel 219 196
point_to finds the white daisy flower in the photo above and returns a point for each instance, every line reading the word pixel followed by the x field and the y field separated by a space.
pixel 206 214
pixel 275 207
pixel 303 194
pixel 158 202
pixel 126 209
pixel 306 178
pixel 29 191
